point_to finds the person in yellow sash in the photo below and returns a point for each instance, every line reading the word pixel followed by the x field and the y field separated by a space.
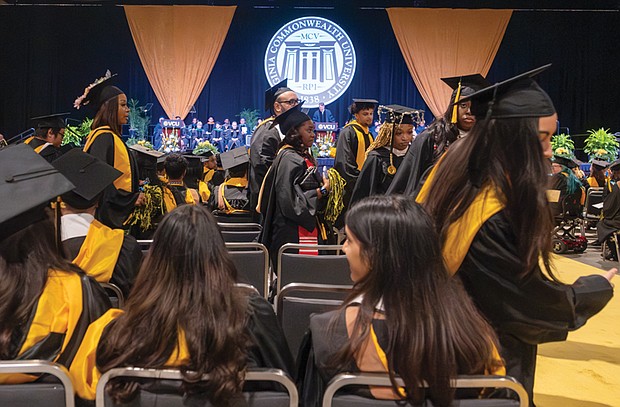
pixel 231 197
pixel 48 135
pixel 487 197
pixel 266 139
pixel 105 254
pixel 353 141
pixel 47 302
pixel 406 316
pixel 105 142
pixel 185 312
pixel 598 175
pixel 175 191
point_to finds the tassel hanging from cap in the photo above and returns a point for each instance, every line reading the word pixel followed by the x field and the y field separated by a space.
pixel 335 205
pixel 455 108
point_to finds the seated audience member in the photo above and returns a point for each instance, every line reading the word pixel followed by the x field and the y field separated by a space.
pixel 565 181
pixel 323 114
pixel 107 255
pixel 406 316
pixel 217 137
pixel 47 302
pixel 47 139
pixel 385 154
pixel 184 312
pixel 234 141
pixel 231 197
pixel 610 215
pixel 598 175
pixel 175 191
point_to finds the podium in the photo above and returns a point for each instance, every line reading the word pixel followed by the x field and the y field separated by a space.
pixel 172 140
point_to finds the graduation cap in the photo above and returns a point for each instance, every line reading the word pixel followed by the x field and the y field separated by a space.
pixel 98 92
pixel 146 153
pixel 273 92
pixel 464 85
pixel 567 162
pixel 148 160
pixel 401 114
pixel 361 104
pixel 233 158
pixel 89 174
pixel 600 164
pixel 290 119
pixel 56 120
pixel 27 184
pixel 517 97
pixel 615 166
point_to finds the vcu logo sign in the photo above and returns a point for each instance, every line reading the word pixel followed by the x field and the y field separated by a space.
pixel 315 55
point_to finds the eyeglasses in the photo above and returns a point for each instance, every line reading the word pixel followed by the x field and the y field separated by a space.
pixel 292 102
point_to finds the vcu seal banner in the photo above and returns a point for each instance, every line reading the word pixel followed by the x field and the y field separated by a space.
pixel 315 55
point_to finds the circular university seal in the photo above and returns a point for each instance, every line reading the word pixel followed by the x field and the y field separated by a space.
pixel 315 55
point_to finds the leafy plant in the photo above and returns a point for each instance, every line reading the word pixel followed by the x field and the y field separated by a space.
pixel 76 134
pixel 601 144
pixel 203 147
pixel 139 120
pixel 563 145
pixel 134 140
pixel 251 117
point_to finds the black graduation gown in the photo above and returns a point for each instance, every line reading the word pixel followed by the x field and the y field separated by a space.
pixel 524 312
pixel 237 197
pixel 610 221
pixel 50 153
pixel 127 264
pixel 263 150
pixel 415 164
pixel 374 178
pixel 285 205
pixel 115 205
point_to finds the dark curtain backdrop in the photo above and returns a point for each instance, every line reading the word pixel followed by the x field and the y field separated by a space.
pixel 49 54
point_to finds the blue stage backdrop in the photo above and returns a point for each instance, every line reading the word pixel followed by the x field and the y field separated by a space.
pixel 49 54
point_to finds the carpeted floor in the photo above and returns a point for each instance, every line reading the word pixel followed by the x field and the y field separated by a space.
pixel 584 371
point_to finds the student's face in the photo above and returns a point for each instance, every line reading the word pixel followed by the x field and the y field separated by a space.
pixel 364 117
pixel 465 120
pixel 55 139
pixel 211 163
pixel 123 109
pixel 358 263
pixel 306 131
pixel 546 129
pixel 556 168
pixel 403 136
pixel 285 101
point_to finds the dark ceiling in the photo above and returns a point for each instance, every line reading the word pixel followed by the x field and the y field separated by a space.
pixel 559 5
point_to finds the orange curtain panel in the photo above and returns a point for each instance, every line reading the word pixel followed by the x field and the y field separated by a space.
pixel 176 50
pixel 439 43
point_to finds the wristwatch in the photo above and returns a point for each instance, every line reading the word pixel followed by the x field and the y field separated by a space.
pixel 324 191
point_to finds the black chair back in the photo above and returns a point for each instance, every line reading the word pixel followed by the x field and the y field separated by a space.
pixel 252 263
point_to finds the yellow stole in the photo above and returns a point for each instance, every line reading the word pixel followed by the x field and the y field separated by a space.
pixel 100 251
pixel 222 203
pixel 121 157
pixel 58 310
pixel 360 156
pixel 209 175
pixel 36 149
pixel 461 233
pixel 203 191
pixel 171 203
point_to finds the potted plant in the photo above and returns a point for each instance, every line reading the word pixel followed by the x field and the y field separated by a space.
pixel 75 135
pixel 563 146
pixel 601 144
pixel 251 118
pixel 139 120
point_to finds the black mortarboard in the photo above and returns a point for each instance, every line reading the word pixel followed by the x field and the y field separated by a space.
pixel 519 96
pixel 148 160
pixel 468 84
pixel 235 157
pixel 89 174
pixel 148 154
pixel 98 92
pixel 615 165
pixel 402 114
pixel 273 92
pixel 600 164
pixel 27 184
pixel 567 162
pixel 56 120
pixel 290 119
pixel 361 104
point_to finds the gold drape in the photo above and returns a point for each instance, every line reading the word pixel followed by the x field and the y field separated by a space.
pixel 439 43
pixel 178 47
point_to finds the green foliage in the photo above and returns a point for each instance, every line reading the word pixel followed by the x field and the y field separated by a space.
pixel 138 119
pixel 134 140
pixel 601 144
pixel 563 145
pixel 251 117
pixel 203 147
pixel 76 134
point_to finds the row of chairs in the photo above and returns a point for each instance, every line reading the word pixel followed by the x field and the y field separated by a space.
pixel 61 391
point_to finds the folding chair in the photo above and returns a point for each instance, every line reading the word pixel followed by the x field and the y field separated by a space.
pixel 593 197
pixel 115 294
pixel 261 398
pixel 294 311
pixel 145 245
pixel 303 268
pixel 44 392
pixel 238 217
pixel 252 263
pixel 240 232
pixel 331 399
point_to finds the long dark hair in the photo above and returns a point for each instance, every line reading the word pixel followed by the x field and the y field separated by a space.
pixel 107 115
pixel 293 139
pixel 434 331
pixel 25 258
pixel 443 132
pixel 507 154
pixel 186 284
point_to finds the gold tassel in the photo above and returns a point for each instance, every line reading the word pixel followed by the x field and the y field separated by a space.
pixel 335 204
pixel 153 206
pixel 455 108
